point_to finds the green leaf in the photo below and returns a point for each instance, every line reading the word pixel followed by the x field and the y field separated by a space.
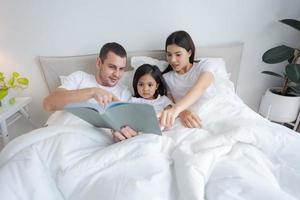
pixel 1 75
pixel 294 94
pixel 293 72
pixel 290 60
pixel 272 74
pixel 11 82
pixel 294 90
pixel 292 22
pixel 3 93
pixel 278 54
pixel 12 100
pixel 23 81
pixel 2 85
pixel 15 74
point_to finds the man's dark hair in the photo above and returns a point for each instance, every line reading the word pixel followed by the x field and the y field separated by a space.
pixel 113 47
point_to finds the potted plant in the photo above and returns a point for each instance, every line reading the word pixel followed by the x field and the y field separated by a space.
pixel 282 104
pixel 8 88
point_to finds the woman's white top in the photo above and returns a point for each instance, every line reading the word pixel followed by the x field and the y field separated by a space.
pixel 180 84
pixel 159 103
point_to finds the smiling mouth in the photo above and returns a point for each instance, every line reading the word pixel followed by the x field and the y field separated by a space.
pixel 114 80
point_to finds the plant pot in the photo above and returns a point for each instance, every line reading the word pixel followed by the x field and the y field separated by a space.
pixel 279 108
pixel 9 99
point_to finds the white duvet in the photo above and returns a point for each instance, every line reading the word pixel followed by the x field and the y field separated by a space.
pixel 237 155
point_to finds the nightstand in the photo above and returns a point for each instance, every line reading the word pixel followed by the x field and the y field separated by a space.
pixel 295 124
pixel 11 114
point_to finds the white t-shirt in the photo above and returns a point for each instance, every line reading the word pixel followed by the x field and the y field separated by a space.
pixel 80 80
pixel 180 84
pixel 159 103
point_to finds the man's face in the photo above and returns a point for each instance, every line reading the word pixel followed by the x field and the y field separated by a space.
pixel 110 70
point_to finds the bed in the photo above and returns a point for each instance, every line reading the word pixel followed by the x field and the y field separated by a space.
pixel 237 155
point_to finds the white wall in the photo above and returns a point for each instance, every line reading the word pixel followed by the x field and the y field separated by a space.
pixel 63 27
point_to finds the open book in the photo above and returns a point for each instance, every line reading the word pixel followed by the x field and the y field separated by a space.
pixel 140 117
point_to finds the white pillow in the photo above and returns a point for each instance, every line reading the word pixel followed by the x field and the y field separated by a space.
pixel 127 80
pixel 219 67
pixel 62 79
pixel 137 61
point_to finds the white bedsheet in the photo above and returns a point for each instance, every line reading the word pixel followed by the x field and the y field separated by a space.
pixel 237 155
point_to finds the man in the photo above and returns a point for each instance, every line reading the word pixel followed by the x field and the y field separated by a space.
pixel 102 88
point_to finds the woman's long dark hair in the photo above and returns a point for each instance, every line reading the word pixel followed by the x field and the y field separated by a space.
pixel 153 71
pixel 183 40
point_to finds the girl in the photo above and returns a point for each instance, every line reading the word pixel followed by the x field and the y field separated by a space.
pixel 150 87
pixel 189 82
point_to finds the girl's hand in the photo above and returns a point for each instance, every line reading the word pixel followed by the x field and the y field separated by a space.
pixel 167 117
pixel 190 119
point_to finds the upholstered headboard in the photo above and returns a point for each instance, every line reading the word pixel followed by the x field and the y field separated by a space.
pixel 53 67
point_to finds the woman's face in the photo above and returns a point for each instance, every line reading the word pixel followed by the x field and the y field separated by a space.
pixel 178 58
pixel 147 86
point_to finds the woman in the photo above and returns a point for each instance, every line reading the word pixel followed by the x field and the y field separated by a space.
pixel 189 81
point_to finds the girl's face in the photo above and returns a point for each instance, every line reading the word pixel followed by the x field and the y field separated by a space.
pixel 147 86
pixel 178 58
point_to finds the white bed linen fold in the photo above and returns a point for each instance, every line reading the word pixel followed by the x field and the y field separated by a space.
pixel 236 155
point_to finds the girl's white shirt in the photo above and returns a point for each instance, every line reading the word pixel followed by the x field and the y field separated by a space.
pixel 159 103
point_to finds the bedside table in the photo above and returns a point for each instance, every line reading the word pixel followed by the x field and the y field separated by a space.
pixel 295 125
pixel 13 112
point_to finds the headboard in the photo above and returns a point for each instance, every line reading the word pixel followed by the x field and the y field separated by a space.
pixel 55 66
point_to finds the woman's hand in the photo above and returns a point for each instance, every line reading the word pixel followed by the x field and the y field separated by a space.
pixel 125 133
pixel 167 117
pixel 190 119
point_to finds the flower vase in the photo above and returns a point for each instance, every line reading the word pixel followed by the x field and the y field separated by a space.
pixel 9 99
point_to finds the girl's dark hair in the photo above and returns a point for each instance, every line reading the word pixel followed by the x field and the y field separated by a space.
pixel 183 40
pixel 153 71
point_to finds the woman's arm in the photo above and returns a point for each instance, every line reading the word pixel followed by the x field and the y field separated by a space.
pixel 204 81
pixel 167 117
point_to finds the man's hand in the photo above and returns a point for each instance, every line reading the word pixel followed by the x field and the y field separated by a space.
pixel 103 97
pixel 190 119
pixel 125 133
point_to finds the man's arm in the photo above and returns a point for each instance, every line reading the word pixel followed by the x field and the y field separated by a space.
pixel 57 99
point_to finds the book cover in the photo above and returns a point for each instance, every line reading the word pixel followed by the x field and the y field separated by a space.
pixel 140 117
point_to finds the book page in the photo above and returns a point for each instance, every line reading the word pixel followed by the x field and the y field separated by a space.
pixel 97 107
pixel 140 117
